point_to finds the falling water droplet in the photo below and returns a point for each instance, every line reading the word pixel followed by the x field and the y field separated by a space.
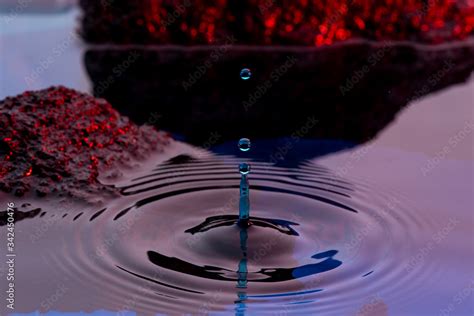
pixel 245 74
pixel 244 168
pixel 244 144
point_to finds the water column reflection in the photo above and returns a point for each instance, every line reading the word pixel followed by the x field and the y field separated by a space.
pixel 240 306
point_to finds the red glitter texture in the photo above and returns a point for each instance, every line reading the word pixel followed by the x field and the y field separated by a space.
pixel 275 22
pixel 58 140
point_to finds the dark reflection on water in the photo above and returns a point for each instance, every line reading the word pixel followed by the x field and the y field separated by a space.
pixel 227 220
pixel 328 93
pixel 243 276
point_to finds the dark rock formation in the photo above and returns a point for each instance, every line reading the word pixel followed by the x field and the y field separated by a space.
pixel 353 90
pixel 57 140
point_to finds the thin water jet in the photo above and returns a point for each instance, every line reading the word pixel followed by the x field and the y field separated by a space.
pixel 244 200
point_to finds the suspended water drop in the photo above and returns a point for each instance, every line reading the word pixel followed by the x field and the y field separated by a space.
pixel 244 168
pixel 244 144
pixel 245 74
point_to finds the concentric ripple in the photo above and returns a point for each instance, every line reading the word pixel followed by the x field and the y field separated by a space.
pixel 316 243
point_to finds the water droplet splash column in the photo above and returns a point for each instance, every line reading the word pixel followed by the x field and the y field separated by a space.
pixel 244 201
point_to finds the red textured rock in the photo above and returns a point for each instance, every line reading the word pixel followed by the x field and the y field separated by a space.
pixel 58 140
pixel 275 22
